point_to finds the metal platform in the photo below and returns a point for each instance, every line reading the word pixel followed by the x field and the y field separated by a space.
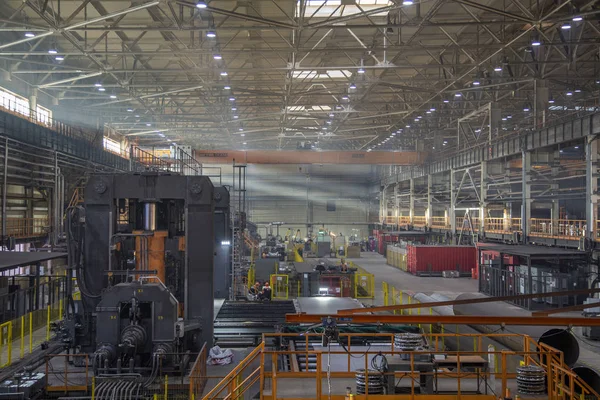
pixel 242 323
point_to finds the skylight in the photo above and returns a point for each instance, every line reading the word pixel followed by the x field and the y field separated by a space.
pixel 322 75
pixel 334 8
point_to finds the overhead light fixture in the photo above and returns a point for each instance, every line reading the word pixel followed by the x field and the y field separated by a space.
pixel 504 119
pixel 233 108
pixel 324 128
pixel 457 95
pixel 498 68
pixel 428 112
pixel 577 18
pixel 576 147
pixel 243 134
pixel 137 116
pixel 407 3
pixel 226 87
pixel 59 58
pixel 446 101
pixel 130 110
pixel 526 109
pixel 476 83
pixel 569 93
pixel 328 122
pixel 244 143
pixel 241 129
pixel 52 51
pixel 174 144
pixel 408 126
pixel 101 89
pixel 551 100
pixel 211 34
pixel 201 4
pixel 331 115
pixel 345 97
pixel 393 133
pixel 416 119
pixel 361 70
pixel 232 99
pixel 217 57
pixel 29 34
pixel 97 84
pixel 235 116
pixel 536 42
pixel 112 96
pixel 148 124
pixel 509 116
pixel 565 26
pixel 352 86
pixel 223 73
pixel 432 109
pixel 577 90
pixel 161 134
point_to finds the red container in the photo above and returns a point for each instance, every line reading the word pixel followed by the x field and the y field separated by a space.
pixel 433 260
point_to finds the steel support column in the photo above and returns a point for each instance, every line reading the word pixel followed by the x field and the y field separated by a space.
pixel 451 209
pixel 411 200
pixel 591 186
pixel 429 211
pixel 526 190
pixel 397 202
pixel 482 197
pixel 554 186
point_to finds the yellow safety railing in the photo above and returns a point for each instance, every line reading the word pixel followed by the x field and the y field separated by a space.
pixel 386 293
pixel 419 220
pixel 20 336
pixel 197 375
pixel 404 220
pixel 279 286
pixel 251 276
pixel 440 222
pixel 390 220
pixel 558 228
pixel 26 227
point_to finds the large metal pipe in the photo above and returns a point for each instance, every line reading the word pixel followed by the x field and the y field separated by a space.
pixel 589 376
pixel 558 338
pixel 149 216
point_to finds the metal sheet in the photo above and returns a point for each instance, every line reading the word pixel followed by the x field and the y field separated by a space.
pixel 14 259
pixel 325 305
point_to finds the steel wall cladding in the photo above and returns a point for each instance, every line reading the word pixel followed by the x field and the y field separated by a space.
pixel 433 260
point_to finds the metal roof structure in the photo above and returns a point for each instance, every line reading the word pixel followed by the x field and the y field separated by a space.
pixel 330 75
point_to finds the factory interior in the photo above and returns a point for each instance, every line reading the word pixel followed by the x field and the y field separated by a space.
pixel 299 199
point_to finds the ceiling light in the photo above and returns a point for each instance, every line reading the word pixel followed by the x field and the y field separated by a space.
pixel 130 110
pixel 352 86
pixel 476 83
pixel 244 143
pixel 577 90
pixel 446 101
pixel 345 97
pixel 235 117
pixel 324 128
pixel 393 133
pixel 201 4
pixel 226 87
pixel 232 99
pixel 52 51
pixel 223 73
pixel 509 116
pixel 407 3
pixel 457 95
pixel 577 18
pixel 328 122
pixel 97 84
pixel 361 70
pixel 565 26
pixel 161 134
pixel 112 96
pixel 331 115
pixel 536 42
pixel 101 89
pixel 569 93
pixel 137 116
pixel 420 116
pixel 432 109
pixel 241 129
pixel 526 109
pixel 428 112
pixel 243 134
pixel 498 68
pixel 174 144
pixel 561 151
pixel 408 126
pixel 217 57
pixel 416 119
pixel 211 34
pixel 551 100
pixel 148 124
pixel 59 58
pixel 29 34
pixel 504 119
pixel 233 108
pixel 576 147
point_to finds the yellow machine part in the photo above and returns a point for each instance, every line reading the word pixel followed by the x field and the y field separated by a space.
pixel 156 252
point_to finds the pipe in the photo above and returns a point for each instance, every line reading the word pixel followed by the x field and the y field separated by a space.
pixel 149 216
pixel 589 376
pixel 560 339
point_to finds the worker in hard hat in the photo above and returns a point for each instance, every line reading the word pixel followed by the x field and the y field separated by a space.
pixel 343 265
pixel 266 291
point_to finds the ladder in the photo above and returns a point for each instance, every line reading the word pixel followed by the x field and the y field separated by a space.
pixel 239 264
pixel 469 225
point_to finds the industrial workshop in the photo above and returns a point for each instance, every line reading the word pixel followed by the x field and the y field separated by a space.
pixel 299 199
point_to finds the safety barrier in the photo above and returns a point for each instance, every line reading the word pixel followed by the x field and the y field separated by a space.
pixel 558 228
pixel 26 227
pixel 440 222
pixel 279 287
pixel 490 372
pixel 20 336
pixel 197 375
pixel 419 221
pixel 385 293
